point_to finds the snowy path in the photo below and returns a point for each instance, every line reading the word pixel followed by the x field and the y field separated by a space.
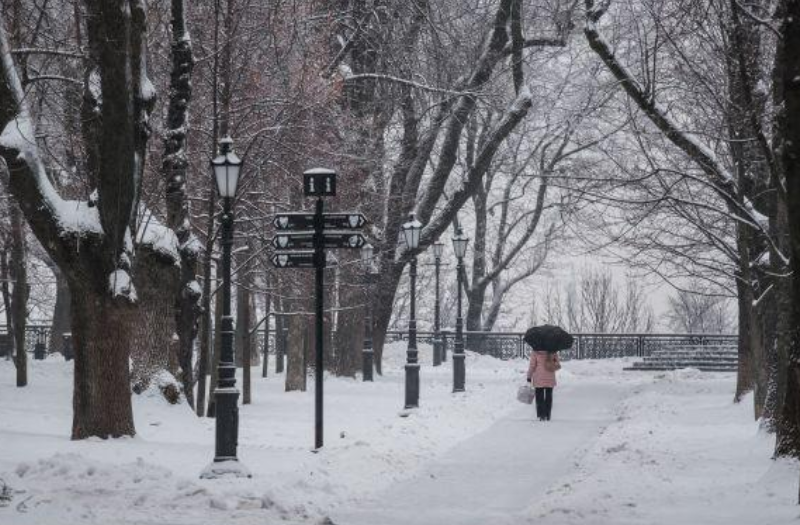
pixel 495 476
pixel 623 449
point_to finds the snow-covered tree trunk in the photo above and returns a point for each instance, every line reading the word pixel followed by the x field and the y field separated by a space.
pixel 175 170
pixel 752 165
pixel 92 242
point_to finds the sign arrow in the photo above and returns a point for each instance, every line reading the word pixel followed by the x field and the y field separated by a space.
pixel 348 240
pixel 305 240
pixel 293 241
pixel 332 221
pixel 298 259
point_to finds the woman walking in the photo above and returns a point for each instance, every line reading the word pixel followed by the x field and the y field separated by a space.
pixel 542 375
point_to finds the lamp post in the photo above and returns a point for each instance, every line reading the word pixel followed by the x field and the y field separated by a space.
pixel 226 167
pixel 460 248
pixel 411 231
pixel 367 354
pixel 438 249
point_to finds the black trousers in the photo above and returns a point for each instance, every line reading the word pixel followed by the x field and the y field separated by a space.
pixel 544 402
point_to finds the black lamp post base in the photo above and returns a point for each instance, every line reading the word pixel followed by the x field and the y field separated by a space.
pixel 367 364
pixel 437 350
pixel 225 468
pixel 412 385
pixel 459 372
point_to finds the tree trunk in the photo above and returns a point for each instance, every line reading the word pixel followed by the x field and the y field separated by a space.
pixel 778 358
pixel 205 362
pixel 295 353
pixel 217 349
pixel 476 292
pixel 157 284
pixel 498 292
pixel 753 178
pixel 384 291
pixel 348 338
pixel 19 295
pixel 787 143
pixel 62 317
pixel 243 318
pixel 347 342
pixel 5 280
pixel 475 301
pixel 175 170
pixel 744 375
pixel 763 336
pixel 265 342
pixel 102 329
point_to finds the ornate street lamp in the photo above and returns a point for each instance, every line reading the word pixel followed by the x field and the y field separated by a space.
pixel 460 242
pixel 438 249
pixel 367 355
pixel 226 168
pixel 410 233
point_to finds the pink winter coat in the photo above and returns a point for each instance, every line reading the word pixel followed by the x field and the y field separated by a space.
pixel 540 376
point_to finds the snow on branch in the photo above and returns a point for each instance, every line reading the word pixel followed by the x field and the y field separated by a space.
pixel 722 181
pixel 121 285
pixel 150 232
pixel 49 214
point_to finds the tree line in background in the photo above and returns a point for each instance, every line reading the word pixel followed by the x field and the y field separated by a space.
pixel 663 132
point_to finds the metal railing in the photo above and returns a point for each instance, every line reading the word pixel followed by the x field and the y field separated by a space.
pixel 37 336
pixel 510 345
pixel 502 345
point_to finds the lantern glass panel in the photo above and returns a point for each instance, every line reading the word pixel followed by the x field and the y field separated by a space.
pixel 226 172
pixel 460 244
pixel 411 231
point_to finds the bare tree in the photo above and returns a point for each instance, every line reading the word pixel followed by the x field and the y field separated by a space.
pixel 596 303
pixel 698 313
pixel 91 241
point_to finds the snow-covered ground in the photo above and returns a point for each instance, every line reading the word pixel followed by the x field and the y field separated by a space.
pixel 623 448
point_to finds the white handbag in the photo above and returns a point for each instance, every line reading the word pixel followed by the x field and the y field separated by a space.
pixel 525 394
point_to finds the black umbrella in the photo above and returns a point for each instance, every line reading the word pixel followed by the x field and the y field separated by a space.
pixel 548 338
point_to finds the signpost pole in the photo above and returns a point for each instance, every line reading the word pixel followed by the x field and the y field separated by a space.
pixel 297 247
pixel 319 264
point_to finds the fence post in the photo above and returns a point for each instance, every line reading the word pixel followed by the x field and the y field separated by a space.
pixel 39 347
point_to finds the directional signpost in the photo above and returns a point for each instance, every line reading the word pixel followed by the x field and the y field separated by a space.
pixel 305 240
pixel 301 241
